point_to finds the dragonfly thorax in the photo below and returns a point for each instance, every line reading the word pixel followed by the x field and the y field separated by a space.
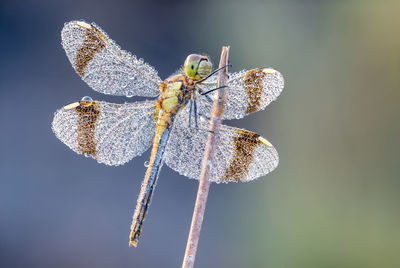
pixel 175 94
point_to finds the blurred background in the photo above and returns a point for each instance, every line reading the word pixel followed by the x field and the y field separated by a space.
pixel 334 199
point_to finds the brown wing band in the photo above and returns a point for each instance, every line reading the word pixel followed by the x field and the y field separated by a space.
pixel 254 87
pixel 245 144
pixel 88 113
pixel 93 43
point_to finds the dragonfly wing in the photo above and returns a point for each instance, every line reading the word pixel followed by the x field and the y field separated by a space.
pixel 247 92
pixel 104 66
pixel 240 155
pixel 110 133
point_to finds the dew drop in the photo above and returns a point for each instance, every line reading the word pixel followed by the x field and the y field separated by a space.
pixel 86 98
pixel 124 84
pixel 210 165
pixel 146 163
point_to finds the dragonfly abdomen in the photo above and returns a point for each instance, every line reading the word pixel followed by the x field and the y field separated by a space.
pixel 148 185
pixel 160 141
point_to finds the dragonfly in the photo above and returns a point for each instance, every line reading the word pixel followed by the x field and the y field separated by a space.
pixel 175 122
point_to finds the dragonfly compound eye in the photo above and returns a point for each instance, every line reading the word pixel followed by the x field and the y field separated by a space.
pixel 205 68
pixel 197 66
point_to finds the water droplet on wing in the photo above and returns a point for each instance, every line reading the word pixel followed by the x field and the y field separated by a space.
pixel 146 163
pixel 86 98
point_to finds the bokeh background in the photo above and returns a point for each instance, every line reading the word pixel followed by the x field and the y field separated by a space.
pixel 332 202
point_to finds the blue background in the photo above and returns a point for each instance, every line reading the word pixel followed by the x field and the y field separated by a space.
pixel 333 200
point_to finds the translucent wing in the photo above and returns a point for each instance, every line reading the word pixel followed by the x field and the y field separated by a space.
pixel 110 133
pixel 241 155
pixel 248 92
pixel 104 66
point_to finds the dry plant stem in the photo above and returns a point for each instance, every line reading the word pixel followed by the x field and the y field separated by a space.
pixel 207 164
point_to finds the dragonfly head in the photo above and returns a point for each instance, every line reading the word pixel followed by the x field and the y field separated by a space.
pixel 197 66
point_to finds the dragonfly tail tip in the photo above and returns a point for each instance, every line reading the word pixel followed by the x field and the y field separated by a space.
pixel 133 243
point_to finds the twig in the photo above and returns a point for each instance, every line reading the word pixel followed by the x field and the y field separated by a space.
pixel 206 165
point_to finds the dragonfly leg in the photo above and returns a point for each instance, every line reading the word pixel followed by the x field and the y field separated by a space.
pixel 190 112
pixel 212 73
pixel 195 113
pixel 211 90
pixel 209 99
